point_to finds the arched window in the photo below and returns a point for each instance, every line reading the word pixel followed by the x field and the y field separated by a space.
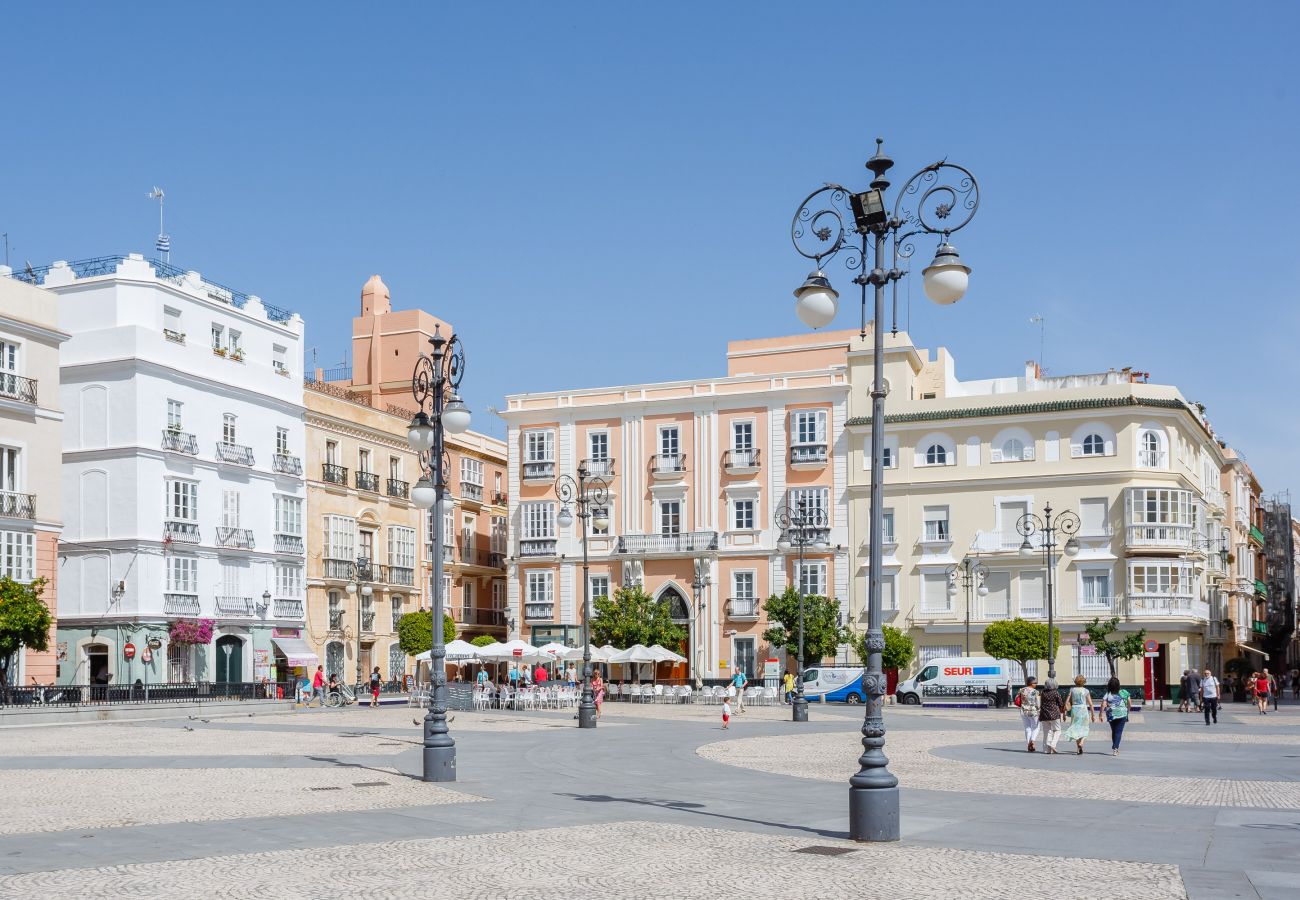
pixel 1152 452
pixel 1013 449
pixel 1094 445
pixel 936 455
pixel 334 659
pixel 396 662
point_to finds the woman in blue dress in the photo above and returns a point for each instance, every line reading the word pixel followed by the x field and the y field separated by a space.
pixel 1080 711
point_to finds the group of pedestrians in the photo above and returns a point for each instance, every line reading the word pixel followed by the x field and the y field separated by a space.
pixel 1049 716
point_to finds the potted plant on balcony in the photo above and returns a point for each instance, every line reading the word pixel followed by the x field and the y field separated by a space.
pixel 173 428
pixel 191 631
pixel 220 351
pixel 237 354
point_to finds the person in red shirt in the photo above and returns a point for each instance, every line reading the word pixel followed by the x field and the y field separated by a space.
pixel 1261 691
pixel 539 674
pixel 317 687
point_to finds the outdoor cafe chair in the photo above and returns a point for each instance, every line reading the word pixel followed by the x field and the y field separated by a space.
pixel 659 693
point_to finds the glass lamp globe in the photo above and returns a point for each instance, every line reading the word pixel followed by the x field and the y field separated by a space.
pixel 565 518
pixel 352 587
pixel 783 544
pixel 816 302
pixel 952 589
pixel 455 416
pixel 820 544
pixel 1026 549
pixel 423 495
pixel 367 590
pixel 1072 547
pixel 420 433
pixel 601 521
pixel 983 590
pixel 946 277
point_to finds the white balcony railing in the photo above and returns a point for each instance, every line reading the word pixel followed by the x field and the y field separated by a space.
pixel 742 608
pixel 667 465
pixel 539 470
pixel 539 612
pixel 1160 535
pixel 808 454
pixel 1176 605
pixel 537 547
pixel 690 542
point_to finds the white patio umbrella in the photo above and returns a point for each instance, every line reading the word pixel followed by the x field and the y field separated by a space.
pixel 457 651
pixel 637 653
pixel 598 654
pixel 507 650
pixel 663 654
pixel 554 650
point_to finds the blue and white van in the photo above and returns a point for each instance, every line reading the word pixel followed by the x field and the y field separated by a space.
pixel 834 684
pixel 955 678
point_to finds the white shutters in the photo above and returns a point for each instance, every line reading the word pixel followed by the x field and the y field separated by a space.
pixel 1092 515
pixel 230 508
pixel 934 592
pixel 1032 593
pixel 288 581
pixel 182 575
pixel 340 537
pixel 537 520
pixel 997 604
pixel 1009 514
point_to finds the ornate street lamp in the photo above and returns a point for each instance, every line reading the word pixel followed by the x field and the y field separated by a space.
pixel 971 573
pixel 591 497
pixel 940 200
pixel 358 583
pixel 434 383
pixel 802 526
pixel 1049 525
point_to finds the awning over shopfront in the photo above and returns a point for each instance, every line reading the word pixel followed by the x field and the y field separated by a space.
pixel 296 651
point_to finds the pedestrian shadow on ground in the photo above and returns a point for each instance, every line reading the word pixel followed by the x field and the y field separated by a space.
pixel 699 810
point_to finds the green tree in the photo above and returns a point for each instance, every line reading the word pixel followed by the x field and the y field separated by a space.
pixel 632 616
pixel 483 640
pixel 1130 646
pixel 1019 640
pixel 822 633
pixel 25 621
pixel 898 648
pixel 415 631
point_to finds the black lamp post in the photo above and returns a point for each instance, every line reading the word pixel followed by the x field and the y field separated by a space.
pixel 1049 525
pixel 591 497
pixel 971 573
pixel 435 382
pixel 940 199
pixel 801 527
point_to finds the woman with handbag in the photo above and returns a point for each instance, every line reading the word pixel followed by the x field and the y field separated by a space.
pixel 1115 702
pixel 1028 701
pixel 1049 715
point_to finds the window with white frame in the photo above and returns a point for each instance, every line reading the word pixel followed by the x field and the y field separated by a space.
pixel 742 435
pixel 1013 449
pixel 172 320
pixel 395 468
pixel 807 427
pixel 744 593
pixel 235 341
pixel 498 594
pixel 598 585
pixel 175 419
pixel 448 527
pixel 363 460
pixel 934 592
pixel 809 500
pixel 468 526
pixel 340 538
pixel 10 470
pixel 1160 506
pixel 936 455
pixel 218 337
pixel 670 517
pixel 1151 450
pixel 1094 589
pixel 17 555
pixel 1093 445
pixel 539 446
pixel 537 520
pixel 281 441
pixel 182 575
pixel 935 524
pixel 331 453
pixel 887 527
pixel 279 356
pixel 1160 578
pixel 288 515
pixel 467 597
pixel 670 444
pixel 228 432
pixel 539 595
pixel 742 515
pixel 1094 518
pixel 288 581
pixel 811 577
pixel 598 446
pixel 497 538
pixel 182 500
pixel 471 471
pixel 230 508
pixel 401 547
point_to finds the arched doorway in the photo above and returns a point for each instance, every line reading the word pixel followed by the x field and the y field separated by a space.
pixel 679 610
pixel 334 659
pixel 230 659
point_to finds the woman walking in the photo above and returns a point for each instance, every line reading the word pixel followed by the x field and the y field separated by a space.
pixel 1115 702
pixel 1077 706
pixel 598 689
pixel 1049 715
pixel 1027 699
pixel 1261 691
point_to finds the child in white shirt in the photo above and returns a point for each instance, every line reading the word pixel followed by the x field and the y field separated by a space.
pixel 726 714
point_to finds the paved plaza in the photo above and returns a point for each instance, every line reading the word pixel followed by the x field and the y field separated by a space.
pixel 656 802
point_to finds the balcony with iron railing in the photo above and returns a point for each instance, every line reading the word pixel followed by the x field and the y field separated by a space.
pixel 668 465
pixel 539 470
pixel 808 455
pixel 539 612
pixel 286 464
pixel 398 489
pixel 500 499
pixel 178 441
pixel 599 468
pixel 486 559
pixel 338 569
pixel 336 620
pixel 175 337
pixel 234 606
pixel 1169 605
pixel 743 609
pixel 288 609
pixel 367 481
pixel 533 547
pixel 17 506
pixel 235 538
pixel 484 618
pixel 808 538
pixel 367 621
pixel 667 544
pixel 740 462
pixel 177 604
pixel 334 474
pixel 401 575
pixel 472 491
pixel 289 543
pixel 16 387
pixel 1159 535
pixel 237 454
pixel 181 532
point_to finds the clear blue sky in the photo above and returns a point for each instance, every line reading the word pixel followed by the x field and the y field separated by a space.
pixel 599 194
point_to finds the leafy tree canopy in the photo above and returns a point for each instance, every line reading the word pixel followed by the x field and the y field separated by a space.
pixel 632 616
pixel 25 620
pixel 822 632
pixel 898 648
pixel 1130 646
pixel 483 640
pixel 1019 640
pixel 415 631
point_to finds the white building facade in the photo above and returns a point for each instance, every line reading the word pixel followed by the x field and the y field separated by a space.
pixel 182 476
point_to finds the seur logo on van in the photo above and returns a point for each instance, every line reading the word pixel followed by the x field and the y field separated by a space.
pixel 972 670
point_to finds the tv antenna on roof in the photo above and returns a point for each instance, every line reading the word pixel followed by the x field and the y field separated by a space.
pixel 1038 320
pixel 164 243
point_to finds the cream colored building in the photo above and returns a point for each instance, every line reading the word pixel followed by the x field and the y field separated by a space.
pixel 966 459
pixel 1244 594
pixel 696 470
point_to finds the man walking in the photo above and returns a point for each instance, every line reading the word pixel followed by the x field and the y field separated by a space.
pixel 738 681
pixel 1184 695
pixel 1194 688
pixel 318 687
pixel 1210 697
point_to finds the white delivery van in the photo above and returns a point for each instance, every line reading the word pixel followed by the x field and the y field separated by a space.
pixel 957 677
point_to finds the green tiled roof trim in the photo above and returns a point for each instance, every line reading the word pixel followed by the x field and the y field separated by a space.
pixel 1047 406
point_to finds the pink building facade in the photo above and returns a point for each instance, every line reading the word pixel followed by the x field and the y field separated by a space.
pixel 695 472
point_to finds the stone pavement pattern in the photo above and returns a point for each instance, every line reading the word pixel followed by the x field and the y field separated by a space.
pixel 635 860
